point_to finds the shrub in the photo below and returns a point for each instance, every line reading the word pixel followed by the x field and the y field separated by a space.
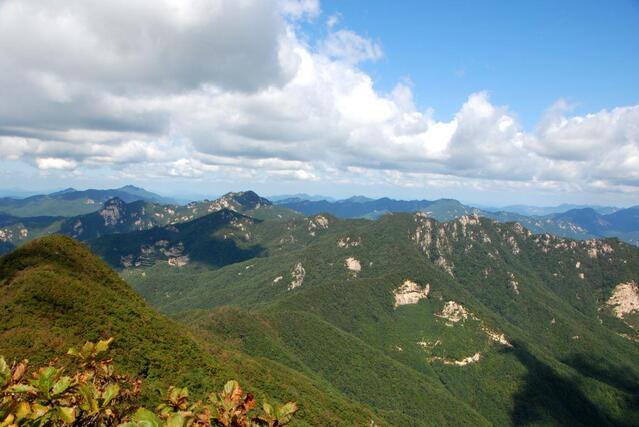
pixel 94 395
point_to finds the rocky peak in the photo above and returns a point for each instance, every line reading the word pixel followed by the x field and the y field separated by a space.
pixel 112 211
pixel 247 199
pixel 114 202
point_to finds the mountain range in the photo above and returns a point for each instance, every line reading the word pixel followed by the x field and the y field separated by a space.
pixel 70 202
pixel 117 216
pixel 579 223
pixel 405 320
pixel 548 210
pixel 140 210
pixel 508 322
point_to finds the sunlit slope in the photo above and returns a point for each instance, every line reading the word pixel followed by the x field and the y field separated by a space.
pixel 56 294
pixel 511 323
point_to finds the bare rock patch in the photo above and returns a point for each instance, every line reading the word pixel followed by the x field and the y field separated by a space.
pixel 624 299
pixel 298 275
pixel 410 293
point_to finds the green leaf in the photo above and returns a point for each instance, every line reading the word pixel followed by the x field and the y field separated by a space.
pixel 45 378
pixel 230 386
pixel 176 420
pixel 110 393
pixel 287 409
pixel 102 346
pixel 145 418
pixel 61 385
pixel 22 388
pixel 87 349
pixel 67 415
pixel 23 410
pixel 268 409
pixel 286 412
pixel 5 372
pixel 90 403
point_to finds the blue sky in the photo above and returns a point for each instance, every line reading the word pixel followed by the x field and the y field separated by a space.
pixel 527 54
pixel 491 102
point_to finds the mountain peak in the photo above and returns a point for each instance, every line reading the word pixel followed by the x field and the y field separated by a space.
pixel 247 199
pixel 131 188
pixel 58 250
pixel 358 199
pixel 114 201
pixel 65 191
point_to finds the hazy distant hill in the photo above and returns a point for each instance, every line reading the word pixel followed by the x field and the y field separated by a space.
pixel 362 207
pixel 582 223
pixel 623 223
pixel 299 196
pixel 71 202
pixel 530 210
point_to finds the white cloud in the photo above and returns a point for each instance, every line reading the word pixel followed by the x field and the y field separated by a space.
pixel 45 163
pixel 586 137
pixel 349 46
pixel 300 9
pixel 207 88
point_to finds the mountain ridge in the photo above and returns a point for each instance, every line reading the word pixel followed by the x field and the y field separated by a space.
pixel 70 202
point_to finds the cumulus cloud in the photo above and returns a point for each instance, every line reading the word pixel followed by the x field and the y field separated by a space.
pixel 300 9
pixel 205 88
pixel 349 46
pixel 55 163
pixel 586 137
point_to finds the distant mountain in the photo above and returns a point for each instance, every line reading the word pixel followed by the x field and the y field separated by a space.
pixel 216 239
pixel 16 230
pixel 581 223
pixel 71 202
pixel 586 218
pixel 362 207
pixel 530 210
pixel 623 223
pixel 626 220
pixel 6 247
pixel 359 199
pixel 299 196
pixel 118 216
pixel 17 193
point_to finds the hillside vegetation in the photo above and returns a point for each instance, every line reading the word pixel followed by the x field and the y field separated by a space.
pixel 521 328
pixel 404 320
pixel 54 294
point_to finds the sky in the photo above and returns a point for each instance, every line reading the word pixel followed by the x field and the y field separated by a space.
pixel 489 102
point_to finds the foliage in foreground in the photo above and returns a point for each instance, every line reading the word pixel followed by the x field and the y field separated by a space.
pixel 95 395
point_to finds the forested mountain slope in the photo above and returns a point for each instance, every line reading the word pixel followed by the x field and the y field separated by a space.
pixel 523 328
pixel 55 294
